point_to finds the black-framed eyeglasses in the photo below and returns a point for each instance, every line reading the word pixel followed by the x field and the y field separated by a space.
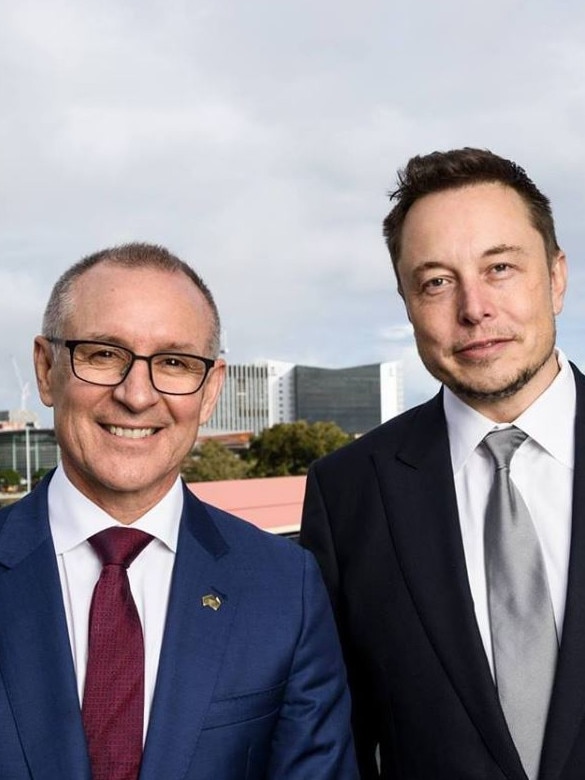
pixel 102 363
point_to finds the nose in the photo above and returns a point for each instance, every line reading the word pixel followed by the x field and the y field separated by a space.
pixel 137 392
pixel 474 302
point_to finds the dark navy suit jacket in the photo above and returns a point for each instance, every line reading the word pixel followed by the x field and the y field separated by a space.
pixel 381 517
pixel 255 689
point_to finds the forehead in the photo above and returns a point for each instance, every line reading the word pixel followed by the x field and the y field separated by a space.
pixel 481 213
pixel 138 306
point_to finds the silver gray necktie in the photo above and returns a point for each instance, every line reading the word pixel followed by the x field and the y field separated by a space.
pixel 524 638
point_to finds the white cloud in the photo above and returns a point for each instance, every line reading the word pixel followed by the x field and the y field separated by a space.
pixel 397 333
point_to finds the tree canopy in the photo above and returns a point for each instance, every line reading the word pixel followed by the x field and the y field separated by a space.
pixel 288 449
pixel 9 478
pixel 213 461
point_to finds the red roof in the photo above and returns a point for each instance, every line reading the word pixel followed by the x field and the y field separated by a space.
pixel 272 503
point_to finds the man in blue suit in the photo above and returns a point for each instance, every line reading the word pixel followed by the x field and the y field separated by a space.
pixel 241 675
pixel 421 544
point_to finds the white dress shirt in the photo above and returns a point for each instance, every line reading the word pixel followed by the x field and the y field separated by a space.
pixel 542 470
pixel 73 518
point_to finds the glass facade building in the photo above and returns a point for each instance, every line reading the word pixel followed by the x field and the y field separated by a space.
pixel 38 444
pixel 356 399
pixel 257 396
pixel 254 396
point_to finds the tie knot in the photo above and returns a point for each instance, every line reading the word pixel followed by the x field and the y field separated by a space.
pixel 119 546
pixel 503 444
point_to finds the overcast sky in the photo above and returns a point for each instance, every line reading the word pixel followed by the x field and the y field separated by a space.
pixel 258 140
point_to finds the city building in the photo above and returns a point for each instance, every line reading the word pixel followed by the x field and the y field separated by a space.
pixel 28 449
pixel 254 396
pixel 24 447
pixel 259 395
pixel 357 398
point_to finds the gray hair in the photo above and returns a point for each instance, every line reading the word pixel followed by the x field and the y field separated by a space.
pixel 134 255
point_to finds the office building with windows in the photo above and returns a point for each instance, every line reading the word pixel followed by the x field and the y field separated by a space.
pixel 254 396
pixel 357 398
pixel 259 395
pixel 24 446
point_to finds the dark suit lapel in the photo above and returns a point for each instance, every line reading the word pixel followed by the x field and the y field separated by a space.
pixel 193 645
pixel 418 492
pixel 567 709
pixel 35 655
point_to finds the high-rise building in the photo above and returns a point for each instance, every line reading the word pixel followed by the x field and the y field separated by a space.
pixel 356 398
pixel 259 395
pixel 254 396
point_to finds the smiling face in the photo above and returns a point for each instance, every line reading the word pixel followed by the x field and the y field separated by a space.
pixel 481 296
pixel 122 446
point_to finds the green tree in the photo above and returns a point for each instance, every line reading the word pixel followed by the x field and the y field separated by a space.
pixel 9 478
pixel 288 449
pixel 213 461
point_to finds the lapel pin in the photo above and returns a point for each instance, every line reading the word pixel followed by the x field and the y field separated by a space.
pixel 211 600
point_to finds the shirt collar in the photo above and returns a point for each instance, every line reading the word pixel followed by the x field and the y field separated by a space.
pixel 73 518
pixel 549 421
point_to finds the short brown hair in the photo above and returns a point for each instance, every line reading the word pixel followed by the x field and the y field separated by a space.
pixel 439 171
pixel 135 255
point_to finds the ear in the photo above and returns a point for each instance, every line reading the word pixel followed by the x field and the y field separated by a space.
pixel 211 390
pixel 43 359
pixel 558 281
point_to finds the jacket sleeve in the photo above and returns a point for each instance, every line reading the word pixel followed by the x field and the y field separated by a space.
pixel 312 737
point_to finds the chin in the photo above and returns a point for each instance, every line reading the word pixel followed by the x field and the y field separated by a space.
pixel 506 388
pixel 122 481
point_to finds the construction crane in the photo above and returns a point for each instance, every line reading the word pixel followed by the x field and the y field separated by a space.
pixel 24 386
pixel 24 394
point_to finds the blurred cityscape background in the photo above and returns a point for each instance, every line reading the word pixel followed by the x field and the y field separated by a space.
pixel 272 420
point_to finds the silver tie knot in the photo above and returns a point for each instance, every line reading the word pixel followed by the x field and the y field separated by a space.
pixel 502 445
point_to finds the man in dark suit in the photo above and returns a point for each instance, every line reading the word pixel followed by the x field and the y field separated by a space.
pixel 211 655
pixel 464 637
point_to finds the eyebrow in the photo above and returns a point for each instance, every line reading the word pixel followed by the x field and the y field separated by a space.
pixel 174 346
pixel 492 251
pixel 501 249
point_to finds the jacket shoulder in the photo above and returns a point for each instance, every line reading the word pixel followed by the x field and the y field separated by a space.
pixel 249 540
pixel 32 503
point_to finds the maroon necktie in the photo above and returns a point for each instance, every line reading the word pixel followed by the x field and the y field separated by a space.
pixel 113 698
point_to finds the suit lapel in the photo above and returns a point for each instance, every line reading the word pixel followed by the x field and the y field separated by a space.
pixel 35 656
pixel 193 645
pixel 418 492
pixel 567 708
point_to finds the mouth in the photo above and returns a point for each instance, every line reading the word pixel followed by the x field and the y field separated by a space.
pixel 480 347
pixel 130 433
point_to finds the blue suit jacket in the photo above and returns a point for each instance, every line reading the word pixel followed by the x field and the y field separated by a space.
pixel 381 516
pixel 253 690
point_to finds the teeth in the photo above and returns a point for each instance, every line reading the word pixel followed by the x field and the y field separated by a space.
pixel 131 433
